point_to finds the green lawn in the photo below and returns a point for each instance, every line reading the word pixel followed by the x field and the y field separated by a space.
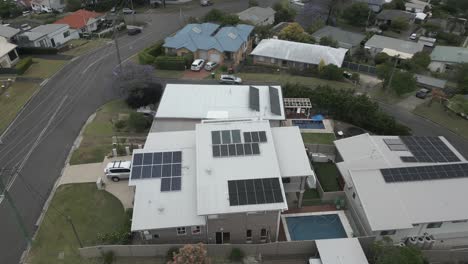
pixel 97 136
pixel 42 68
pixel 327 174
pixel 169 74
pixel 437 113
pixel 389 97
pixel 283 78
pixel 12 100
pixel 81 46
pixel 92 211
pixel 318 138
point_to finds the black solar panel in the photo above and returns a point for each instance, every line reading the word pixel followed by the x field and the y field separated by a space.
pixel 428 149
pixel 254 101
pixel 422 173
pixel 275 101
pixel 229 143
pixel 257 191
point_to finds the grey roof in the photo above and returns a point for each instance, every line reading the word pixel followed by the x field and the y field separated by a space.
pixel 208 36
pixel 256 14
pixel 431 81
pixel 450 54
pixel 299 52
pixel 8 32
pixel 48 28
pixel 346 39
pixel 390 14
pixel 32 36
pixel 404 46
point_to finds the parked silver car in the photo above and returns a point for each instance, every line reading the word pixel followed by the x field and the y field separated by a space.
pixel 118 170
pixel 230 79
pixel 197 65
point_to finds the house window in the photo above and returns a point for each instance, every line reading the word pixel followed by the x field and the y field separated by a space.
pixel 196 230
pixel 273 60
pixel 248 236
pixel 12 55
pixel 260 58
pixel 156 236
pixel 388 232
pixel 66 34
pixel 263 235
pixel 434 225
pixel 286 180
pixel 181 231
pixel 354 195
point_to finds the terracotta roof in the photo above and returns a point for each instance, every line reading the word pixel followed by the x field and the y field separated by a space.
pixel 78 19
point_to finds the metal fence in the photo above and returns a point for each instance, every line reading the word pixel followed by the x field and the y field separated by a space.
pixel 366 69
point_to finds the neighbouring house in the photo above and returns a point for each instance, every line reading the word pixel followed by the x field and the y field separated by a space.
pixel 229 177
pixel 417 6
pixel 283 53
pixel 258 16
pixel 346 39
pixel 401 49
pixel 8 55
pixel 47 36
pixel 374 5
pixel 339 251
pixel 82 20
pixel 410 189
pixel 211 42
pixel 430 82
pixel 445 58
pixel 388 15
pixel 426 41
pixel 48 6
pixel 313 11
pixel 453 25
pixel 9 33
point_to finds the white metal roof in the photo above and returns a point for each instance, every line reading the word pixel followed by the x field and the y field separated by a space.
pixel 213 101
pixel 154 209
pixel 341 251
pixel 398 205
pixel 5 46
pixel 256 14
pixel 213 174
pixel 291 154
pixel 299 52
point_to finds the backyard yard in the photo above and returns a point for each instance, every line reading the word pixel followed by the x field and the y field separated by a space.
pixel 13 99
pixel 328 175
pixel 318 138
pixel 287 78
pixel 92 212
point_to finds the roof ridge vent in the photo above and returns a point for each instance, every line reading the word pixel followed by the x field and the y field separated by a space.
pixel 232 35
pixel 196 29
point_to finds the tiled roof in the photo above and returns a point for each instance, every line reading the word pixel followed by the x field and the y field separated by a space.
pixel 78 19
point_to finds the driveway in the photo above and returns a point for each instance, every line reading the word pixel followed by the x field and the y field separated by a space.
pixel 411 102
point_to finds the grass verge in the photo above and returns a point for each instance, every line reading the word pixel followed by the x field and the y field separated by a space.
pixel 437 113
pixel 81 46
pixel 169 74
pixel 327 174
pixel 92 211
pixel 42 68
pixel 318 138
pixel 286 78
pixel 13 99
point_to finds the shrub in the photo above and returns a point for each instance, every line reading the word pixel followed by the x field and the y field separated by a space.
pixel 108 257
pixel 331 72
pixel 355 76
pixel 148 55
pixel 138 122
pixel 253 3
pixel 171 252
pixel 188 59
pixel 121 237
pixel 120 124
pixel 24 64
pixel 223 68
pixel 143 94
pixel 381 57
pixel 236 255
pixel 170 63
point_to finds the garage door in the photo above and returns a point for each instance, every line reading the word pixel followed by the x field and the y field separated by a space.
pixel 203 54
pixel 215 57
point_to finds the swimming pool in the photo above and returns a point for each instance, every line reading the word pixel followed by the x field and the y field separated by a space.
pixel 308 124
pixel 313 226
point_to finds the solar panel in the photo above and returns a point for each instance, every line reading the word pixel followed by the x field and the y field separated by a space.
pixel 229 143
pixel 254 101
pixel 226 136
pixel 255 191
pixel 428 149
pixel 255 149
pixel 275 101
pixel 422 173
pixel 262 135
pixel 236 138
pixel 216 137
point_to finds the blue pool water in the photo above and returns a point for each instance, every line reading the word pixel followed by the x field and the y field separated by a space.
pixel 308 124
pixel 314 227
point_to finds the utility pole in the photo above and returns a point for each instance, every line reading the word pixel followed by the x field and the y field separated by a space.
pixel 133 13
pixel 393 72
pixel 10 201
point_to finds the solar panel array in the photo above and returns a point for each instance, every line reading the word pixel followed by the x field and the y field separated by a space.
pixel 164 165
pixel 395 144
pixel 228 143
pixel 255 191
pixel 423 173
pixel 254 98
pixel 428 149
pixel 275 101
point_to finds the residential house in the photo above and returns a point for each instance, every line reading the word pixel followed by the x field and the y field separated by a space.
pixel 453 25
pixel 430 82
pixel 388 15
pixel 208 41
pixel 313 11
pixel 339 251
pixel 346 39
pixel 401 49
pixel 48 36
pixel 8 32
pixel 426 41
pixel 417 6
pixel 220 180
pixel 48 5
pixel 258 16
pixel 445 58
pixel 410 189
pixel 283 53
pixel 374 5
pixel 8 55
pixel 82 20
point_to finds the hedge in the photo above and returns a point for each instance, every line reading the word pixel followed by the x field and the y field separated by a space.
pixel 35 50
pixel 170 63
pixel 23 64
pixel 148 55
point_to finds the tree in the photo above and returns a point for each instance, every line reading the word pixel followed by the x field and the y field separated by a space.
pixel 420 60
pixel 386 253
pixel 462 78
pixel 357 14
pixel 316 25
pixel 395 4
pixel 403 82
pixel 253 3
pixel 331 72
pixel 283 14
pixel 139 122
pixel 230 20
pixel 381 57
pixel 294 32
pixel 328 41
pixel 214 15
pixel 9 9
pixel 72 5
pixel 193 254
pixel 399 24
pixel 143 94
pixel 263 32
